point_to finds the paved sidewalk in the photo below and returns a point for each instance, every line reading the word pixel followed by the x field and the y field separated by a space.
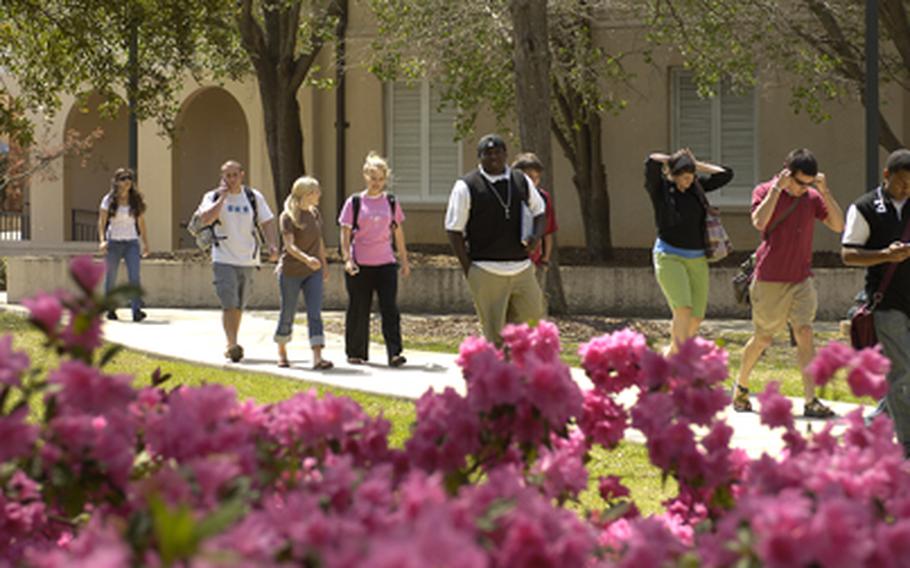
pixel 196 336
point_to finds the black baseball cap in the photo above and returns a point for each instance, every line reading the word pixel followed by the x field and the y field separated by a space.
pixel 490 141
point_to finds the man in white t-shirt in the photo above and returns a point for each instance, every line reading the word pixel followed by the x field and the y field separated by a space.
pixel 235 209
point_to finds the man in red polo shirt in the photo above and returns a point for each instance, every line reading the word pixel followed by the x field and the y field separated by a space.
pixel 783 290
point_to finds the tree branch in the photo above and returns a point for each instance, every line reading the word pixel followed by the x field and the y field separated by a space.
pixel 302 64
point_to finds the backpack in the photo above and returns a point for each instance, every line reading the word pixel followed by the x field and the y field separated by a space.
pixel 355 207
pixel 205 234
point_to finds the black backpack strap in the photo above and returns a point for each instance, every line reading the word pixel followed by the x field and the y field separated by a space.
pixel 355 209
pixel 251 197
pixel 392 201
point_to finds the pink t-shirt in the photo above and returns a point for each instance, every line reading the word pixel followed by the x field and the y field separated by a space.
pixel 786 255
pixel 372 244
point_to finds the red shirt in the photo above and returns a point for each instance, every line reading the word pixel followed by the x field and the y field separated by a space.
pixel 786 255
pixel 549 228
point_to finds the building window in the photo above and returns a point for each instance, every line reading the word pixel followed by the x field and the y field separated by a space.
pixel 721 130
pixel 423 153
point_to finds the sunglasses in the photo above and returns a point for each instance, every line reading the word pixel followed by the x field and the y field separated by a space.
pixel 804 183
pixel 124 178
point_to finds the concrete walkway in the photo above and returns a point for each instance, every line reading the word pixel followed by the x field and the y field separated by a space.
pixel 196 336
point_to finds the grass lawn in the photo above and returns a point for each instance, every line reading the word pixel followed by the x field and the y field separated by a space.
pixel 629 461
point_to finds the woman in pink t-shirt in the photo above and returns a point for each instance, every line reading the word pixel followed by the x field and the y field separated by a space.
pixel 369 220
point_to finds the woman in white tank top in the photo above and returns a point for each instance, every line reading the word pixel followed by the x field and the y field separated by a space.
pixel 121 226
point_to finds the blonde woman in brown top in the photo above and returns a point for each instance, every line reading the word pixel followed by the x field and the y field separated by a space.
pixel 302 267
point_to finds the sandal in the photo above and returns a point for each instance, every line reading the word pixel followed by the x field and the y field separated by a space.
pixel 234 353
pixel 323 365
pixel 741 402
pixel 356 361
pixel 284 363
pixel 815 409
pixel 397 361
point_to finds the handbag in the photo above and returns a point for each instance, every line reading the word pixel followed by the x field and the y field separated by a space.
pixel 717 241
pixel 742 280
pixel 862 323
pixel 719 245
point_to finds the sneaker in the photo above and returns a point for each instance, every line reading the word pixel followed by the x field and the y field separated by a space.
pixel 234 353
pixel 139 316
pixel 741 402
pixel 815 409
pixel 112 315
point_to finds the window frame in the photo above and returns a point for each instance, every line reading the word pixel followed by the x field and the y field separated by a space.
pixel 742 196
pixel 424 197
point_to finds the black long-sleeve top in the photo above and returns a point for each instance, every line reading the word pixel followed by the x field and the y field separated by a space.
pixel 680 215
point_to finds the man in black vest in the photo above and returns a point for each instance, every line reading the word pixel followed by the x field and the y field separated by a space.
pixel 872 238
pixel 495 216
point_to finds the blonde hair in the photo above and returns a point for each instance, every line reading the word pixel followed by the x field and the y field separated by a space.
pixel 302 186
pixel 374 161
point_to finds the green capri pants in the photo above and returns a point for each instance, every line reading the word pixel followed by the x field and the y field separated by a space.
pixel 684 281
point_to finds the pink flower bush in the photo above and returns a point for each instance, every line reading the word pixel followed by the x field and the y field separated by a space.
pixel 112 475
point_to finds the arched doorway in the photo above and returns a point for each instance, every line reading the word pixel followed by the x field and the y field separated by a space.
pixel 210 130
pixel 86 178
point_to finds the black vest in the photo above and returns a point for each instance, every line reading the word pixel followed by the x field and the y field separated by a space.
pixel 490 235
pixel 885 228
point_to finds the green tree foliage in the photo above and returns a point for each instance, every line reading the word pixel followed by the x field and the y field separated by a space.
pixel 466 49
pixel 66 46
pixel 817 44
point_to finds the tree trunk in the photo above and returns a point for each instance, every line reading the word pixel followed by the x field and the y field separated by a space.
pixel 590 181
pixel 283 134
pixel 531 56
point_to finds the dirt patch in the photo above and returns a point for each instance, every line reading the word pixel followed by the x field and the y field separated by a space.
pixel 445 328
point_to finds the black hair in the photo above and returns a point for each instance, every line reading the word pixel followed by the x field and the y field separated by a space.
pixel 898 161
pixel 681 162
pixel 803 161
pixel 527 161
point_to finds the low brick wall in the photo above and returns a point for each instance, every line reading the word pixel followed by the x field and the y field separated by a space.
pixel 625 292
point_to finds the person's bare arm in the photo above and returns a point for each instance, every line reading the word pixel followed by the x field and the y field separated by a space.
pixel 143 235
pixel 895 252
pixel 102 224
pixel 835 218
pixel 402 251
pixel 456 240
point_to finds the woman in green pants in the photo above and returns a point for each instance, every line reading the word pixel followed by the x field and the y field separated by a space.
pixel 678 195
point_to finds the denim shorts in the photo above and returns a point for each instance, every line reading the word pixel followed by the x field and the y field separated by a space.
pixel 233 284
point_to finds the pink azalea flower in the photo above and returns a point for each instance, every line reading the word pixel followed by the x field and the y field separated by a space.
pixel 551 389
pixel 17 434
pixel 84 389
pixel 45 310
pixel 611 488
pixel 86 272
pixel 562 466
pixel 612 361
pixel 868 373
pixel 828 360
pixel 602 420
pixel 12 363
pixel 776 409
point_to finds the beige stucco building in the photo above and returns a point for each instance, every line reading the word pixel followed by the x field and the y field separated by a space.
pixel 750 132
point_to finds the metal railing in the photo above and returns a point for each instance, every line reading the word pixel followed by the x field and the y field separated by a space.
pixel 15 226
pixel 83 225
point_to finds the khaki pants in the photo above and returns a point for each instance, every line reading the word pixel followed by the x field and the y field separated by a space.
pixel 504 299
pixel 774 304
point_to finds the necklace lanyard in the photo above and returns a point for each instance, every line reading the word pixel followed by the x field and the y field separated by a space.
pixel 507 204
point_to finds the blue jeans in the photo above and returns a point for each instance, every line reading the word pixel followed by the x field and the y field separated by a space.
pixel 289 288
pixel 129 252
pixel 893 330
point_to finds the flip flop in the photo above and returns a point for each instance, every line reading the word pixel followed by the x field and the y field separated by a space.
pixel 397 361
pixel 323 365
pixel 284 363
pixel 355 361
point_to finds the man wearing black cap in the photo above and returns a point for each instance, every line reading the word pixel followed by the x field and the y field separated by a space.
pixel 495 216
